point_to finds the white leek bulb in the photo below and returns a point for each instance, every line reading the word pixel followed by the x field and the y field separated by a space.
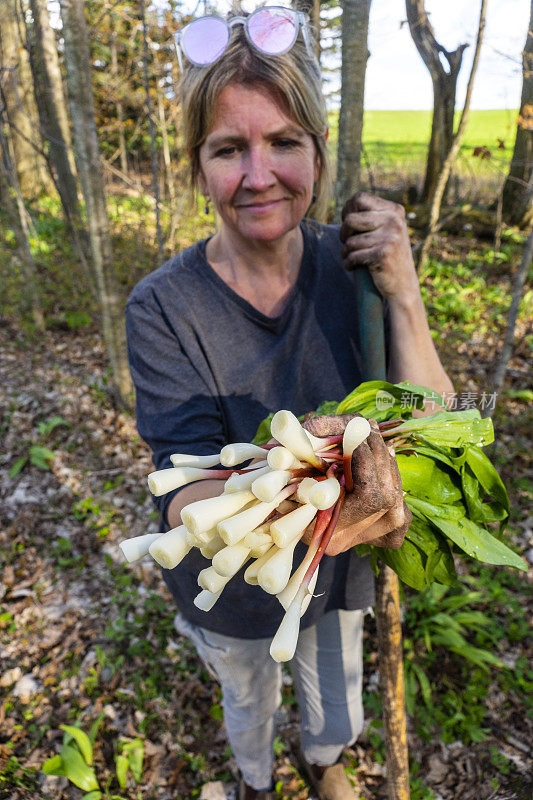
pixel 325 493
pixel 288 432
pixel 304 487
pixel 286 638
pixel 233 454
pixel 166 480
pixel 274 575
pixel 203 462
pixel 171 548
pixel 206 536
pixel 281 458
pixel 193 540
pixel 206 599
pixel 260 549
pixel 267 486
pixel 285 529
pixel 210 579
pixel 210 549
pixel 356 432
pixel 138 546
pixel 230 559
pixel 250 573
pixel 234 529
pixel 258 537
pixel 202 515
pixel 238 483
pixel 287 595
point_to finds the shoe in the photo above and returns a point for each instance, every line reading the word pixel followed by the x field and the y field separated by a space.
pixel 247 793
pixel 329 783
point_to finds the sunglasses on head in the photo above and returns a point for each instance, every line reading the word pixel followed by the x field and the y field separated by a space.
pixel 272 30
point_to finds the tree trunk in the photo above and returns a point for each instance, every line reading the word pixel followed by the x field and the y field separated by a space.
pixel 517 208
pixel 442 178
pixel 21 112
pixel 444 89
pixel 48 87
pixel 153 150
pixel 355 54
pixel 512 315
pixel 166 149
pixel 120 110
pixel 78 64
pixel 13 205
pixel 392 682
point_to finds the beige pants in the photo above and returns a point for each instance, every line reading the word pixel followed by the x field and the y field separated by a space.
pixel 327 674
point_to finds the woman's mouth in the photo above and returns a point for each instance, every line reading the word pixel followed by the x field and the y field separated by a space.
pixel 261 207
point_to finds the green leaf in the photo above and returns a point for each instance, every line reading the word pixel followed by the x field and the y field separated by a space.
pixel 486 474
pixel 76 770
pixel 18 466
pixel 407 562
pixel 444 572
pixel 328 407
pixel 122 766
pixel 410 688
pixel 423 680
pixel 471 493
pixel 40 456
pixel 377 399
pixel 54 766
pixel 95 727
pixel 421 391
pixel 423 477
pixel 478 542
pixel 134 752
pixel 44 428
pixel 263 434
pixel 422 534
pixel 216 711
pixel 82 740
pixel 451 428
pixel 431 511
pixel 92 796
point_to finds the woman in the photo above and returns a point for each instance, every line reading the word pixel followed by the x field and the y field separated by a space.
pixel 258 317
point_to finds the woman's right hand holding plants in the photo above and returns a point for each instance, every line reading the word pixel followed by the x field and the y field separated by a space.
pixel 375 511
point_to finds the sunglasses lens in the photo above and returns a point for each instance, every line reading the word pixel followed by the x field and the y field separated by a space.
pixel 272 30
pixel 204 40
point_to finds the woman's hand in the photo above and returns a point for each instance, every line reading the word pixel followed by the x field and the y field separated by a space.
pixel 375 511
pixel 374 233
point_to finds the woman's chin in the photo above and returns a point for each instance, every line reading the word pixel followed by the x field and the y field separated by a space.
pixel 265 230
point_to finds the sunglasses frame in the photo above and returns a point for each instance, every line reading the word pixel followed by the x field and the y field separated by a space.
pixel 299 17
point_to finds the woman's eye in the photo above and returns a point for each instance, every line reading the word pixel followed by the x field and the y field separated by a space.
pixel 226 151
pixel 286 143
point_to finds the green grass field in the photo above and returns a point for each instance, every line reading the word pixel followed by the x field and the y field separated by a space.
pixel 396 143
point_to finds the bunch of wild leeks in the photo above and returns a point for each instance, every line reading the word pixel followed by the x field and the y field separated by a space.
pixel 450 486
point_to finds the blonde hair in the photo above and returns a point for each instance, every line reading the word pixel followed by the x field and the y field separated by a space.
pixel 293 77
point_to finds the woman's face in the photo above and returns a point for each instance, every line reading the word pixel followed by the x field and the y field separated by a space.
pixel 257 165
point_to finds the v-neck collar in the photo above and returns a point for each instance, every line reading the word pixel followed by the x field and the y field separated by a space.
pixel 274 323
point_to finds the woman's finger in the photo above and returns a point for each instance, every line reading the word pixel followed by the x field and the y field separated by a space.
pixel 362 241
pixel 333 425
pixel 359 222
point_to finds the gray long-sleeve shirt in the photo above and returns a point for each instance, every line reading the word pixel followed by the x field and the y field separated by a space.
pixel 208 367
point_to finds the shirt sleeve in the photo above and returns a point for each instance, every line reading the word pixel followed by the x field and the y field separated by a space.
pixel 176 412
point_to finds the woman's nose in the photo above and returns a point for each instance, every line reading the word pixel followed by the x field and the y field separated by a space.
pixel 258 171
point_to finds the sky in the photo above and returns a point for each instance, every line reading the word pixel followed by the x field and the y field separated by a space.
pixel 397 78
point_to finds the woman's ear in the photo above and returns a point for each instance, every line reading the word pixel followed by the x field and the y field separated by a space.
pixel 326 135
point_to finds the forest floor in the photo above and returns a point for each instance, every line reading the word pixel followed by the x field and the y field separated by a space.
pixel 85 638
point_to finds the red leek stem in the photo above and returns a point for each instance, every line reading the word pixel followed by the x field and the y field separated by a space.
pixel 390 423
pixel 328 533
